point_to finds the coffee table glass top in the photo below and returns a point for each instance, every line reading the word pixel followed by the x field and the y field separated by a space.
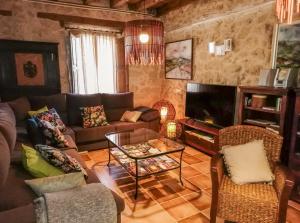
pixel 143 143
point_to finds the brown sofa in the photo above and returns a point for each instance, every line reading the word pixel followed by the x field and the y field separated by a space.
pixel 68 106
pixel 16 198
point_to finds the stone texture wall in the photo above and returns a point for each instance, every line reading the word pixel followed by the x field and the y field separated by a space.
pixel 249 24
pixel 25 25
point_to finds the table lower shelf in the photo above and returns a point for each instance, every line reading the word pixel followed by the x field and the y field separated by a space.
pixel 147 166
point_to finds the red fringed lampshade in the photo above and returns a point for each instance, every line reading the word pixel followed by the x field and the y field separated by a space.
pixel 285 10
pixel 151 52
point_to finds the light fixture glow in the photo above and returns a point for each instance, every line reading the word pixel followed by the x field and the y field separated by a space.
pixel 144 37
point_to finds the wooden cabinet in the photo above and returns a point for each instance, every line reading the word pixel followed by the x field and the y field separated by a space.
pixel 274 112
pixel 200 135
pixel 294 156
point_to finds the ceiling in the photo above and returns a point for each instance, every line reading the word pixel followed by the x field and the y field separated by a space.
pixel 156 7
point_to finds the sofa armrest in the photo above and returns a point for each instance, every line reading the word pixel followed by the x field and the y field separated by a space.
pixel 148 114
pixel 24 214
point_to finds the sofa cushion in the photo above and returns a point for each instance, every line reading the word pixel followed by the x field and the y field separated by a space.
pixel 20 107
pixel 76 101
pixel 5 108
pixel 148 114
pixel 57 101
pixel 4 160
pixel 16 193
pixel 69 132
pixel 126 126
pixel 26 213
pixel 116 104
pixel 93 116
pixel 84 135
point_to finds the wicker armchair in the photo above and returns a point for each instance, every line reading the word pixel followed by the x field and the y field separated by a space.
pixel 260 202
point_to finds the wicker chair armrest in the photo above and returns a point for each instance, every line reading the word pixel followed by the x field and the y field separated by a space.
pixel 284 182
pixel 217 170
pixel 284 179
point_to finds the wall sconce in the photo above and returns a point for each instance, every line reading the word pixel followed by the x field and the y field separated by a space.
pixel 220 50
pixel 163 114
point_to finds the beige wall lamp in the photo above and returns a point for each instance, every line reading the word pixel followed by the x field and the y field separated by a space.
pixel 220 50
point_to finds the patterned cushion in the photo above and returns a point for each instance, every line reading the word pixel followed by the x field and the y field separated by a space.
pixel 36 112
pixel 60 159
pixel 53 117
pixel 131 116
pixel 93 116
pixel 53 135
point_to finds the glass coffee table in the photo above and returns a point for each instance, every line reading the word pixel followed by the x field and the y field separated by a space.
pixel 144 152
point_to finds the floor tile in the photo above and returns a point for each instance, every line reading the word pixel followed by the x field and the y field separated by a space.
pixel 189 171
pixel 191 151
pixel 199 200
pixel 197 218
pixel 162 193
pixel 190 159
pixel 201 181
pixel 175 185
pixel 203 167
pixel 179 208
pixel 143 200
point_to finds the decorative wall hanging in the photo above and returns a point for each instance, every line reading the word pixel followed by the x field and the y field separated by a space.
pixel 144 42
pixel 179 60
pixel 286 46
pixel 30 69
pixel 285 10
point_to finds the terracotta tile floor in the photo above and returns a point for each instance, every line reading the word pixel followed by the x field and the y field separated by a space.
pixel 161 198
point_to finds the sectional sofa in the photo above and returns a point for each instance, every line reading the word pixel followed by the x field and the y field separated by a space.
pixel 16 198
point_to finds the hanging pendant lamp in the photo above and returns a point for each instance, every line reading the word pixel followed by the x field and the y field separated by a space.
pixel 285 10
pixel 144 42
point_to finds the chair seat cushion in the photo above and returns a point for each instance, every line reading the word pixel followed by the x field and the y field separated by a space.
pixel 248 202
pixel 126 126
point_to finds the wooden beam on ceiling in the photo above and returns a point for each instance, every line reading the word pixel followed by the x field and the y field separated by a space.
pixel 121 3
pixel 5 13
pixel 81 20
pixel 150 4
pixel 175 4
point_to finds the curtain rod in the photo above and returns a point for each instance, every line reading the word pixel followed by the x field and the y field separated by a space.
pixel 94 30
pixel 91 7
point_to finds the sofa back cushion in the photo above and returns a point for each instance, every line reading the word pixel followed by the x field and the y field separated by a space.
pixel 57 101
pixel 8 129
pixel 4 160
pixel 116 104
pixel 76 101
pixel 20 106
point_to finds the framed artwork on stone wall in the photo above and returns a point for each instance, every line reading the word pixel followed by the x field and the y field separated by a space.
pixel 286 46
pixel 29 69
pixel 179 60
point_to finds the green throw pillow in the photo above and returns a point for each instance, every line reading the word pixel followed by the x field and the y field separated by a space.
pixel 56 183
pixel 36 165
pixel 35 113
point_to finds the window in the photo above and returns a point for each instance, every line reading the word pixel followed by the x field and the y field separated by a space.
pixel 93 58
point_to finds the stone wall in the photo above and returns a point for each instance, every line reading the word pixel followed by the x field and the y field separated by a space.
pixel 25 25
pixel 250 25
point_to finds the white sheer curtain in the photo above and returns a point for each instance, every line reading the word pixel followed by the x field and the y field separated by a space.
pixel 93 62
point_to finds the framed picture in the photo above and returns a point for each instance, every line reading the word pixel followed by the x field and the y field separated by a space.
pixel 30 69
pixel 286 46
pixel 179 60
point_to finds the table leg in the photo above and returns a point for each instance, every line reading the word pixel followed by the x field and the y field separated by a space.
pixel 108 153
pixel 136 179
pixel 180 165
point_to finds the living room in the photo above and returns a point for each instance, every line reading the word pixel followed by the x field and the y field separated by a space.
pixel 178 74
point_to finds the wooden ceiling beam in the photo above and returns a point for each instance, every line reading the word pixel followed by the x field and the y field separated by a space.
pixel 150 4
pixel 81 20
pixel 121 3
pixel 175 5
pixel 5 13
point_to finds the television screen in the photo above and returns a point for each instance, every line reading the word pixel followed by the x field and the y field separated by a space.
pixel 212 104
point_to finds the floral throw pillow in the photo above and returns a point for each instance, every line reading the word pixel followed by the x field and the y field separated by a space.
pixel 93 116
pixel 60 159
pixel 53 135
pixel 52 117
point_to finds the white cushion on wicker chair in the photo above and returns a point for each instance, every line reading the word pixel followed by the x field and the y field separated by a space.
pixel 248 163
